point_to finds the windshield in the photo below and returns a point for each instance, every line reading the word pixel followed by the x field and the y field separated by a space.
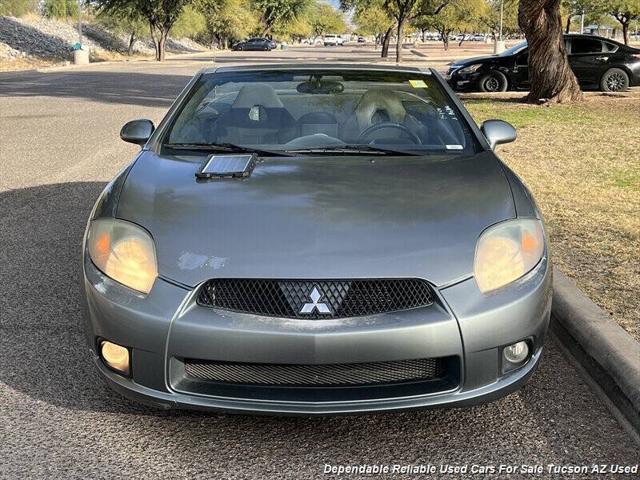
pixel 515 49
pixel 289 111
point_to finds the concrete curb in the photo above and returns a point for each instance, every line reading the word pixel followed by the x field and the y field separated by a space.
pixel 604 348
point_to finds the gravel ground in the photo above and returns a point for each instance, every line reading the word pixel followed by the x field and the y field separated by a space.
pixel 58 420
pixel 48 39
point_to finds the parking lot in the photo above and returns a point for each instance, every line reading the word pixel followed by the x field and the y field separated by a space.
pixel 59 148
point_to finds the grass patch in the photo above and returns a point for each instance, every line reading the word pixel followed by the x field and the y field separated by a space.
pixel 582 163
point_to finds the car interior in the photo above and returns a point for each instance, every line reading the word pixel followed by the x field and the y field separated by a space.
pixel 317 114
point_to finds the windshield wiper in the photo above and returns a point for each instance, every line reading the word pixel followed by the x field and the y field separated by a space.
pixel 226 148
pixel 354 150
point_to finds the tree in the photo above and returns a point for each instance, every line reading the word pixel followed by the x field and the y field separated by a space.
pixel 17 8
pixel 552 79
pixel 593 10
pixel 191 23
pixel 226 20
pixel 457 16
pixel 161 15
pixel 491 17
pixel 406 10
pixel 323 18
pixel 373 20
pixel 127 22
pixel 624 11
pixel 60 8
pixel 277 12
pixel 370 11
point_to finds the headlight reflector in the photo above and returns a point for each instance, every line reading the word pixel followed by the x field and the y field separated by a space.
pixel 506 252
pixel 124 252
pixel 470 68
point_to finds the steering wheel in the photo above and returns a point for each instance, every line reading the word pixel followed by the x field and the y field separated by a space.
pixel 364 136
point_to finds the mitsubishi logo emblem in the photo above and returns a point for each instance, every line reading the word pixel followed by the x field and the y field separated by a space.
pixel 315 305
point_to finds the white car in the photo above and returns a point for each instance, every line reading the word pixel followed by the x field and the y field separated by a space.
pixel 333 40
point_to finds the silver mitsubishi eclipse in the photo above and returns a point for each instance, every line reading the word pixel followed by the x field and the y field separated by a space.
pixel 316 239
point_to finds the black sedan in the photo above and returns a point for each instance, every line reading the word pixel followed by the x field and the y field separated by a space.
pixel 255 44
pixel 598 63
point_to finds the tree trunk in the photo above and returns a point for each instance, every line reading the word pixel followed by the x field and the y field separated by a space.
pixel 568 28
pixel 464 34
pixel 162 45
pixel 399 40
pixel 445 39
pixel 385 43
pixel 132 40
pixel 152 31
pixel 552 79
pixel 625 33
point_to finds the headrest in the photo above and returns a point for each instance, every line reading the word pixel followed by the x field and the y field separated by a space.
pixel 378 99
pixel 257 94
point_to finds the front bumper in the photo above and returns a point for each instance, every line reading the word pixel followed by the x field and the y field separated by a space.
pixel 463 82
pixel 167 326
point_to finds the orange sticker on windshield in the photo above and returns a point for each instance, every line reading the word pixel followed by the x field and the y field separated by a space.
pixel 417 83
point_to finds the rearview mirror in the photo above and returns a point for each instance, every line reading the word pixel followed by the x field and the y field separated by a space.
pixel 497 132
pixel 137 131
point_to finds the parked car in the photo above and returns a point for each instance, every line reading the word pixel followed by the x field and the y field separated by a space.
pixel 598 63
pixel 361 40
pixel 316 239
pixel 255 44
pixel 332 40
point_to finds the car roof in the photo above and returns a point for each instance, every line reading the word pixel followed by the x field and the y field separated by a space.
pixel 316 66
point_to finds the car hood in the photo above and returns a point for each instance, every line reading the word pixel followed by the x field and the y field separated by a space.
pixel 318 217
pixel 473 60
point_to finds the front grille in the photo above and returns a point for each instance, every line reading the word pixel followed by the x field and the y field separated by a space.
pixel 309 299
pixel 337 374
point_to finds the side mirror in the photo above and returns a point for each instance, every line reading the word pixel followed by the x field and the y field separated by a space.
pixel 137 131
pixel 497 132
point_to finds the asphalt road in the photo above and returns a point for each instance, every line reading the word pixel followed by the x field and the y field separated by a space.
pixel 58 147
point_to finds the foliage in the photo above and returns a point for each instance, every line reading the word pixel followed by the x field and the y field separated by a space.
pixel 323 18
pixel 278 13
pixel 124 22
pixel 226 21
pixel 161 15
pixel 191 23
pixel 491 17
pixel 624 11
pixel 373 20
pixel 457 16
pixel 60 8
pixel 17 8
pixel 316 19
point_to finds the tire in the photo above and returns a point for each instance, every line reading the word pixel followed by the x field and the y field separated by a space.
pixel 614 80
pixel 493 82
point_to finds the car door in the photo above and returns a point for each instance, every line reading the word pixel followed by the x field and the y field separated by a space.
pixel 587 60
pixel 520 76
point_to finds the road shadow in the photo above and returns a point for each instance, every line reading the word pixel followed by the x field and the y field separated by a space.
pixel 129 88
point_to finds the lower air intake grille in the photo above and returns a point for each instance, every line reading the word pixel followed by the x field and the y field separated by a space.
pixel 310 299
pixel 337 374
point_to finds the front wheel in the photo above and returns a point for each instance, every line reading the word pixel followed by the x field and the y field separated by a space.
pixel 614 80
pixel 493 82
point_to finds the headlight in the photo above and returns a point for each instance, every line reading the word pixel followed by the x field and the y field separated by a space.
pixel 470 68
pixel 124 252
pixel 506 252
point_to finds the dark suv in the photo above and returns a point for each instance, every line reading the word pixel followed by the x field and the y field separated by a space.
pixel 598 63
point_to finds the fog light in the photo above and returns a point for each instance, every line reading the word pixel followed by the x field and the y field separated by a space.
pixel 516 353
pixel 115 356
